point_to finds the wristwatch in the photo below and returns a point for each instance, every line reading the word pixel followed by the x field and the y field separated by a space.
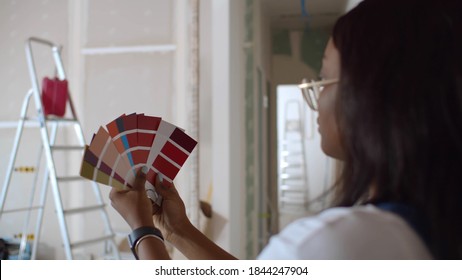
pixel 139 234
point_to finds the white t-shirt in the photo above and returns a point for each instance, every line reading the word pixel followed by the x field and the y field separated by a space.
pixel 360 232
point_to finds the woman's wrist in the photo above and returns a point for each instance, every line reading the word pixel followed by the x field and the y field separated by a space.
pixel 181 232
pixel 193 244
pixel 141 223
pixel 140 234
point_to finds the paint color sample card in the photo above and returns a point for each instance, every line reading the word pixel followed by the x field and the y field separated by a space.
pixel 128 143
pixel 169 152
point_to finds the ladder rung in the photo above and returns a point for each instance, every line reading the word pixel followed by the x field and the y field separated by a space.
pixel 291 169
pixel 295 199
pixel 292 154
pixel 294 167
pixel 291 141
pixel 22 209
pixel 69 178
pixel 67 147
pixel 92 241
pixel 84 209
pixel 283 203
pixel 292 176
pixel 300 187
pixel 34 122
pixel 52 119
pixel 293 185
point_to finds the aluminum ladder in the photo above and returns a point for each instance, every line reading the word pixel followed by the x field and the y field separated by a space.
pixel 293 188
pixel 48 126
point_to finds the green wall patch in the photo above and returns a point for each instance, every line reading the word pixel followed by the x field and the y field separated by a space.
pixel 281 42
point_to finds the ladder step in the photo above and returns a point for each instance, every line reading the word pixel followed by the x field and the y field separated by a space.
pixel 84 209
pixel 294 187
pixel 288 142
pixel 292 156
pixel 294 168
pixel 292 165
pixel 294 200
pixel 292 176
pixel 77 148
pixel 22 209
pixel 92 241
pixel 51 119
pixel 69 178
pixel 54 119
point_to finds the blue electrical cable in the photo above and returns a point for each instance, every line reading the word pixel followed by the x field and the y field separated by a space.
pixel 304 12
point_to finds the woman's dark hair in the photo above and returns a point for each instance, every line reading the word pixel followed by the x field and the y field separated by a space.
pixel 400 111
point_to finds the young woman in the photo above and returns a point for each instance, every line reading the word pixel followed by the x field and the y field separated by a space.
pixel 390 107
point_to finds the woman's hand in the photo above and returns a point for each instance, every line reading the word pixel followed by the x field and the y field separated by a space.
pixel 171 219
pixel 134 205
pixel 171 216
pixel 136 208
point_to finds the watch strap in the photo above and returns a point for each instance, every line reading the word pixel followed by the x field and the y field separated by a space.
pixel 141 233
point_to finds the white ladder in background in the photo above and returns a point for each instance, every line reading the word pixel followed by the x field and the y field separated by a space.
pixel 293 189
pixel 48 130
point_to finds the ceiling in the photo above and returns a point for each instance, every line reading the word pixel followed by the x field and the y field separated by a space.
pixel 288 14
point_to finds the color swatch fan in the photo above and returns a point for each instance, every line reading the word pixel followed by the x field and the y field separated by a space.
pixel 131 142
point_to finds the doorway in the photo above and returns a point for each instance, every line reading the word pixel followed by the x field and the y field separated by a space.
pixel 305 173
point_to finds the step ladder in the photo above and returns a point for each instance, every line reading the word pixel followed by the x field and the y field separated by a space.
pixel 293 187
pixel 48 126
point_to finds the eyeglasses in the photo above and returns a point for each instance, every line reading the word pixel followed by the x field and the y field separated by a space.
pixel 311 91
